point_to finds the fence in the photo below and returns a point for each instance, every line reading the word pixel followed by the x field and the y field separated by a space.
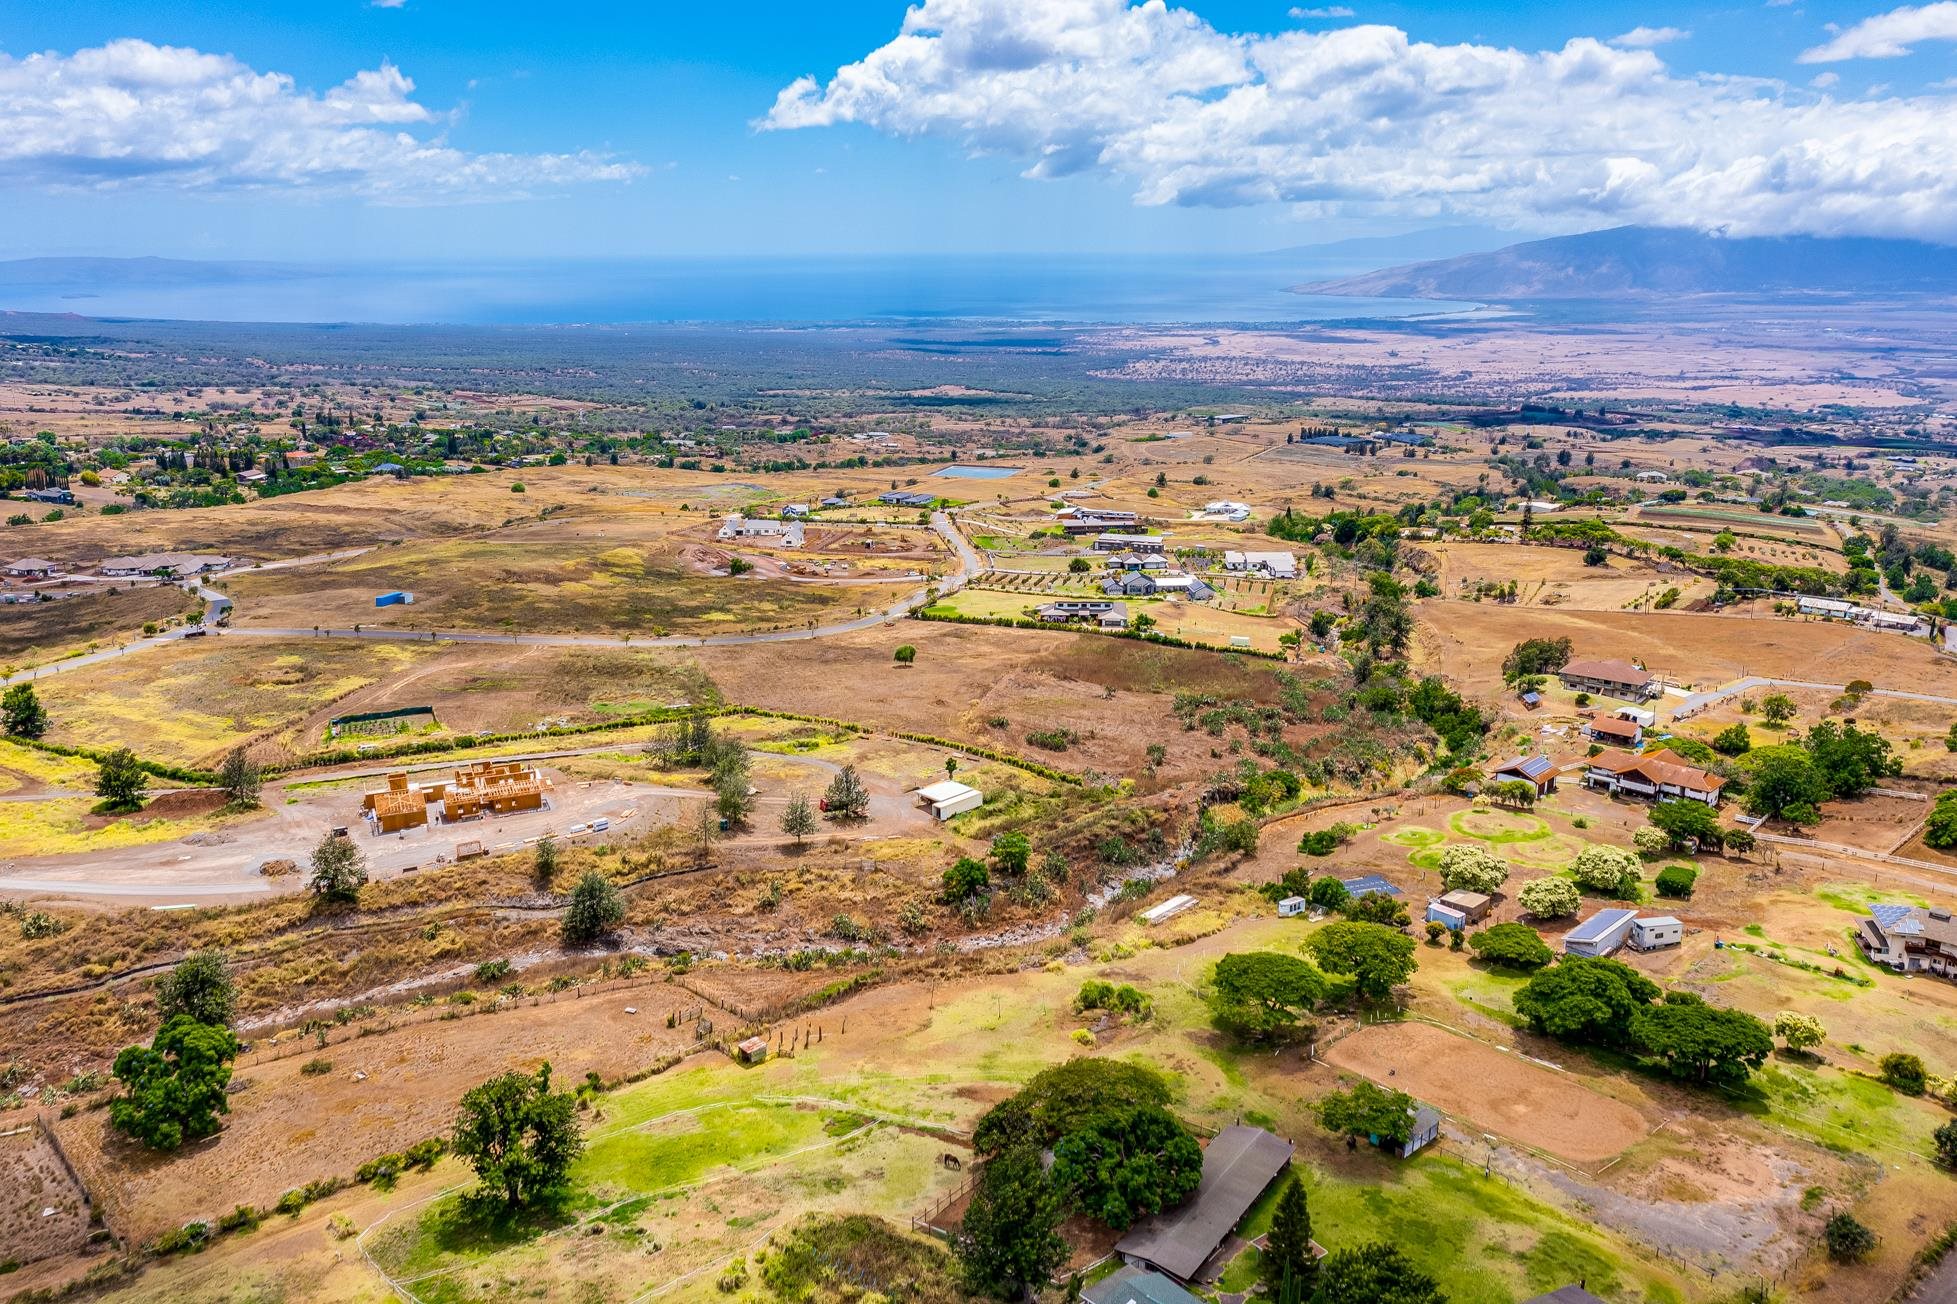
pixel 933 1220
pixel 45 1129
pixel 385 1021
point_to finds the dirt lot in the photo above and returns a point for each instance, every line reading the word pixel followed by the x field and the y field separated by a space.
pixel 382 1093
pixel 1557 577
pixel 1466 641
pixel 1500 1092
pixel 43 1214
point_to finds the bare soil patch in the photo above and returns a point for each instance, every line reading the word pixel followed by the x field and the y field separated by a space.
pixel 382 1093
pixel 1466 641
pixel 1498 1091
pixel 43 1213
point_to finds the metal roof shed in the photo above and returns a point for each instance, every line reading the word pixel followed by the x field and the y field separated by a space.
pixel 1238 1165
pixel 950 798
pixel 1601 934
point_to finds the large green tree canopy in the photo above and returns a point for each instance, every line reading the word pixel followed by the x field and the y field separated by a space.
pixel 1126 1163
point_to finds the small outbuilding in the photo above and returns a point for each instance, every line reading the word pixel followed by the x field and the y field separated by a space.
pixel 1473 905
pixel 1291 907
pixel 396 598
pixel 1169 909
pixel 1656 932
pixel 1601 934
pixel 1445 915
pixel 950 798
pixel 752 1051
pixel 1426 1130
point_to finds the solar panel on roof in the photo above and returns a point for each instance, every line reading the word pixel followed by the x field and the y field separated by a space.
pixel 1889 915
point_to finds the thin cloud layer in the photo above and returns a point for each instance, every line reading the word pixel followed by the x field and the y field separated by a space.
pixel 1890 35
pixel 130 113
pixel 1365 119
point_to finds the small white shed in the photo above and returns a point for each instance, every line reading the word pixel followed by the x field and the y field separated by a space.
pixel 950 798
pixel 1290 907
pixel 1656 932
pixel 1175 905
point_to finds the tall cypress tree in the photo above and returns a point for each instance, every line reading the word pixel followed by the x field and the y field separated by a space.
pixel 1289 1267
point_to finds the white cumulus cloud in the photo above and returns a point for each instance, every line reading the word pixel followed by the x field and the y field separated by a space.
pixel 1366 120
pixel 130 113
pixel 1890 35
pixel 1646 38
pixel 1328 11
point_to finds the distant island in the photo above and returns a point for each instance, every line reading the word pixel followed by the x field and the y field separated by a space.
pixel 1639 261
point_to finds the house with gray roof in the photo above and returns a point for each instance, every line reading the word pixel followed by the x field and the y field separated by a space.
pixel 1239 1164
pixel 1539 771
pixel 1910 939
pixel 1131 1285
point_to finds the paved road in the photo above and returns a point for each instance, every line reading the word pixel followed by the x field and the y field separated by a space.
pixel 1700 701
pixel 220 607
pixel 970 566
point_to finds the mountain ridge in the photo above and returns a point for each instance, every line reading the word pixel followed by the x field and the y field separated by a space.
pixel 1641 261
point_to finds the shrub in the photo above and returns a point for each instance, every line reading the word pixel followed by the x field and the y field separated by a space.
pixel 1650 841
pixel 1676 880
pixel 1800 1031
pixel 1946 1142
pixel 241 1218
pixel 313 1068
pixel 1515 945
pixel 1550 898
pixel 1323 842
pixel 1904 1072
pixel 1733 740
pixel 1473 868
pixel 187 1239
pixel 1611 870
pixel 1848 1241
pixel 596 907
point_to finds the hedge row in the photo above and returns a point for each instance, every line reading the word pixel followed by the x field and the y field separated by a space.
pixel 1139 636
pixel 994 754
pixel 461 742
pixel 176 773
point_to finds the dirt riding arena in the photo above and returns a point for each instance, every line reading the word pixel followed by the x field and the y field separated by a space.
pixel 1494 1090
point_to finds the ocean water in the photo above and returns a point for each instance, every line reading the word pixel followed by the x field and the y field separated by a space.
pixel 1154 289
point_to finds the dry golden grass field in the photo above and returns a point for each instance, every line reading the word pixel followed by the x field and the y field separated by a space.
pixel 32 633
pixel 1466 641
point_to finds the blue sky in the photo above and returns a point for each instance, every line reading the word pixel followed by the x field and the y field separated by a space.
pixel 631 128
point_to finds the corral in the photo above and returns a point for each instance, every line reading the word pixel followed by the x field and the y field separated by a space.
pixel 1494 1090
